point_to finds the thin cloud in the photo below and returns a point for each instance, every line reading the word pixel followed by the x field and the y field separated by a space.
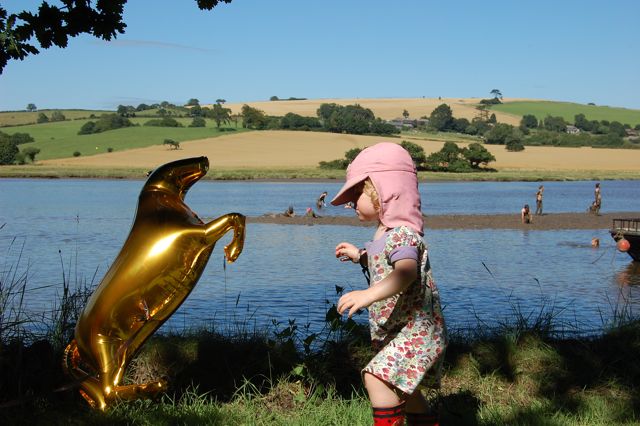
pixel 156 44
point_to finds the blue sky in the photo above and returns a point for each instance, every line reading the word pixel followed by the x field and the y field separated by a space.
pixel 249 50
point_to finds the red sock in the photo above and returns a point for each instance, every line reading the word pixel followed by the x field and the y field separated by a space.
pixel 393 416
pixel 422 419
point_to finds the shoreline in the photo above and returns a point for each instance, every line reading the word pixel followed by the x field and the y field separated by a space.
pixel 545 222
pixel 307 174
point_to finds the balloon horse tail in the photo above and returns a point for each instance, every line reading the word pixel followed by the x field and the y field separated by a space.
pixel 158 266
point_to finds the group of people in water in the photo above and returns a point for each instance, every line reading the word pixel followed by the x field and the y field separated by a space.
pixel 527 217
pixel 320 204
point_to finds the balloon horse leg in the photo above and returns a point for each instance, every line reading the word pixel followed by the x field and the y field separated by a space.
pixel 159 265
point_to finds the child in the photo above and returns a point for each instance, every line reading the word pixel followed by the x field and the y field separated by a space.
pixel 405 317
pixel 525 214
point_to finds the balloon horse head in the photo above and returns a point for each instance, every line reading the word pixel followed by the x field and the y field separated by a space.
pixel 157 268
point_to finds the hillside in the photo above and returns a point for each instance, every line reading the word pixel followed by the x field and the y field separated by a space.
pixel 386 108
pixel 568 111
pixel 287 149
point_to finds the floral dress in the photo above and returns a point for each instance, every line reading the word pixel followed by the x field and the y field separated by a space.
pixel 407 329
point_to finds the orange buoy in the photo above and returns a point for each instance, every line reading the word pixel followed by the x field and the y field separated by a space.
pixel 623 245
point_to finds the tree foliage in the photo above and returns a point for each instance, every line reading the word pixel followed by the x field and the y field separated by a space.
pixel 172 143
pixel 441 118
pixel 416 152
pixel 501 133
pixel 53 25
pixel 452 158
pixel 220 114
pixel 105 123
pixel 163 122
pixel 198 122
pixel 8 149
pixel 341 163
pixel 30 153
pixel 529 121
pixel 293 121
pixel 477 155
pixel 254 118
pixel 554 124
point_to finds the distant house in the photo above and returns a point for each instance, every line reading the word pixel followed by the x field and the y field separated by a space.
pixel 406 123
pixel 572 129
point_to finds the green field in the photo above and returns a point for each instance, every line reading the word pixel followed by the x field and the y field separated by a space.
pixel 568 111
pixel 20 118
pixel 61 139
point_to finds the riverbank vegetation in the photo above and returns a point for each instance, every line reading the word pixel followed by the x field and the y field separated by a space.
pixel 523 370
pixel 311 173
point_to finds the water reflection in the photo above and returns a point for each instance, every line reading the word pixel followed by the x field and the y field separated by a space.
pixel 629 275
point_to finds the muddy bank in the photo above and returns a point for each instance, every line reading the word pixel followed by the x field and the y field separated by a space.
pixel 548 221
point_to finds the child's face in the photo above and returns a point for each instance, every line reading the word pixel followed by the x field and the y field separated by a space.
pixel 365 209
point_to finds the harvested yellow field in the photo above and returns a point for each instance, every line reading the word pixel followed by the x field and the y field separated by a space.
pixel 286 150
pixel 383 108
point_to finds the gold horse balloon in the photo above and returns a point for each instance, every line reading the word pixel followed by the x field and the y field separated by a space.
pixel 159 265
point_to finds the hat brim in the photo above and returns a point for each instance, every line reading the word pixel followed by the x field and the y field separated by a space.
pixel 347 193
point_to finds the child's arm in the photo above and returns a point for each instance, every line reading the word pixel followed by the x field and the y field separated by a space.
pixel 404 272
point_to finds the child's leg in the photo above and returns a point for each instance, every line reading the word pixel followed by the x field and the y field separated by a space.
pixel 419 412
pixel 388 407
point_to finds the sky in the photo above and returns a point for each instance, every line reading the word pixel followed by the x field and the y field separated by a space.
pixel 249 50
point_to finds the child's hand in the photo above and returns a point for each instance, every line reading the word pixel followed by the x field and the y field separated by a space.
pixel 354 301
pixel 347 251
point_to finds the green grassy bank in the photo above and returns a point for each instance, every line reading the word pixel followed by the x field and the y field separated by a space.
pixel 515 376
pixel 314 173
pixel 60 139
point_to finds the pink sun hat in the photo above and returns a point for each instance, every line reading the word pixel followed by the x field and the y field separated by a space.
pixel 391 169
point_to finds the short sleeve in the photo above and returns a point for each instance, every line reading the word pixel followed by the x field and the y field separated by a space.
pixel 402 244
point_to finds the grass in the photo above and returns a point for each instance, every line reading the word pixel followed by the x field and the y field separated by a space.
pixel 440 136
pixel 21 118
pixel 61 139
pixel 568 111
pixel 312 173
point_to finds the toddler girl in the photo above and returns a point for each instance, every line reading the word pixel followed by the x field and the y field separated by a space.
pixel 405 317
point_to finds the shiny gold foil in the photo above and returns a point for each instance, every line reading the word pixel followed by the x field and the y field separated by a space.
pixel 159 265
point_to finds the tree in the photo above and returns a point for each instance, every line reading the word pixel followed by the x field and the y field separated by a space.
pixel 42 118
pixel 172 144
pixel 555 124
pixel 30 152
pixel 477 154
pixel 52 25
pixel 529 121
pixel 198 122
pixel 499 134
pixel 441 117
pixel 497 94
pixel 57 116
pixel 220 114
pixel 254 118
pixel 220 101
pixel 416 152
pixel 32 107
pixel 8 150
pixel 193 102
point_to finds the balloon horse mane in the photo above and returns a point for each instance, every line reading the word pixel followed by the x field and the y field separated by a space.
pixel 159 265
